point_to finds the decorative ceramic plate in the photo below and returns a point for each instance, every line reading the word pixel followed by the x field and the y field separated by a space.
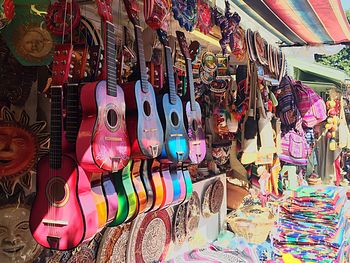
pixel 205 202
pixel 216 196
pixel 150 237
pixel 180 225
pixel 193 213
pixel 114 244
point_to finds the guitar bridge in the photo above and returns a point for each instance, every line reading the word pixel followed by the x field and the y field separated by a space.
pixel 150 130
pixel 57 223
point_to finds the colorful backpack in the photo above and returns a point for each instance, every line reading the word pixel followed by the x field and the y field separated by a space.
pixel 287 109
pixel 311 106
pixel 294 148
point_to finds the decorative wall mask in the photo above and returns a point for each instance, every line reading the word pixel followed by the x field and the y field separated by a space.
pixel 21 144
pixel 16 242
pixel 228 25
pixel 205 22
pixel 185 11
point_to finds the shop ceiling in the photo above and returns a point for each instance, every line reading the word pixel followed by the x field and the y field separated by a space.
pixel 300 22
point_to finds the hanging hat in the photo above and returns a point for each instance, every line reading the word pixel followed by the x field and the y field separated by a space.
pixel 260 49
pixel 239 53
pixel 249 35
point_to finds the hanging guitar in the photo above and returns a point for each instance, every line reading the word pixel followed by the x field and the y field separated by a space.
pixel 146 134
pixel 103 142
pixel 63 214
pixel 193 111
pixel 158 187
pixel 176 148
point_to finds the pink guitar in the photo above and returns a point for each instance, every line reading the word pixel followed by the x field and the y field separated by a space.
pixel 103 142
pixel 63 213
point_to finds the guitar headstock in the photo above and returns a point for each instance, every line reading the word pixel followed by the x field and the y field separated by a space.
pixel 61 63
pixel 79 62
pixel 132 8
pixel 94 62
pixel 183 44
pixel 104 9
pixel 163 37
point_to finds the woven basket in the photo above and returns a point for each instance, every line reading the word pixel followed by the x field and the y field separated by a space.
pixel 253 223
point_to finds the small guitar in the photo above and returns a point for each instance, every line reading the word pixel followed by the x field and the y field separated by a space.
pixel 146 178
pixel 111 196
pixel 168 187
pixel 155 178
pixel 103 142
pixel 146 132
pixel 179 186
pixel 176 148
pixel 99 199
pixel 130 192
pixel 139 188
pixel 62 214
pixel 188 181
pixel 193 111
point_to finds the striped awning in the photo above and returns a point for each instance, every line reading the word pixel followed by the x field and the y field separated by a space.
pixel 301 22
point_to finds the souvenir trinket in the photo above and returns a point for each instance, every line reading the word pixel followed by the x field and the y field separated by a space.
pixel 185 11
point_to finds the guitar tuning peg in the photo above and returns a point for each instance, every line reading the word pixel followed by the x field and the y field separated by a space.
pixel 88 56
pixel 85 74
pixel 100 65
pixel 101 56
pixel 87 64
pixel 71 66
pixel 70 76
pixel 73 55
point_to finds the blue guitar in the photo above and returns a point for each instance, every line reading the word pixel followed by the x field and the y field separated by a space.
pixel 170 109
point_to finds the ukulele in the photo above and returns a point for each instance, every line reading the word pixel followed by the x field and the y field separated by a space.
pixel 99 199
pixel 193 111
pixel 188 181
pixel 139 188
pixel 157 184
pixel 123 204
pixel 146 132
pixel 62 214
pixel 176 148
pixel 103 143
pixel 130 192
pixel 179 186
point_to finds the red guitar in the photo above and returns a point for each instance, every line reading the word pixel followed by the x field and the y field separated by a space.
pixel 146 132
pixel 103 143
pixel 63 213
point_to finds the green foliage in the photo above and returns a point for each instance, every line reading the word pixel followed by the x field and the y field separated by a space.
pixel 341 60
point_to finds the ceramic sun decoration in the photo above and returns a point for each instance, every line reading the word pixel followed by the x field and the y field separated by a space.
pixel 21 145
pixel 228 25
pixel 16 242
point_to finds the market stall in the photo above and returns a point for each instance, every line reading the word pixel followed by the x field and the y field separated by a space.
pixel 129 128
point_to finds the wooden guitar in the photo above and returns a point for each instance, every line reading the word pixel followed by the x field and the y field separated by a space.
pixel 176 148
pixel 188 182
pixel 146 178
pixel 146 132
pixel 103 142
pixel 168 187
pixel 63 213
pixel 157 184
pixel 139 188
pixel 99 199
pixel 193 111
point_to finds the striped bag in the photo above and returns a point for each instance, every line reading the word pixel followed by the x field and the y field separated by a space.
pixel 311 106
pixel 294 148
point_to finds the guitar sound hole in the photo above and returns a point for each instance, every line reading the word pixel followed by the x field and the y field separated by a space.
pixel 147 108
pixel 112 118
pixel 194 125
pixel 57 192
pixel 174 119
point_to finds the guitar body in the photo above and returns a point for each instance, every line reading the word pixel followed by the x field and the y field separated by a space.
pixel 62 216
pixel 179 187
pixel 139 188
pixel 102 143
pixel 130 192
pixel 145 129
pixel 176 147
pixel 195 133
pixel 168 187
pixel 111 197
pixel 146 182
pixel 123 205
pixel 99 200
pixel 188 182
pixel 155 179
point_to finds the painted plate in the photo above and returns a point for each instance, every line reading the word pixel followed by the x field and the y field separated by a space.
pixel 216 197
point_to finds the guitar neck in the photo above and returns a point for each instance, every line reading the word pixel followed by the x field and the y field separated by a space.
pixel 170 74
pixel 141 59
pixel 110 54
pixel 190 82
pixel 55 154
pixel 72 115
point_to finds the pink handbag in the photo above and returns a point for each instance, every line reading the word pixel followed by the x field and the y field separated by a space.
pixel 311 106
pixel 294 148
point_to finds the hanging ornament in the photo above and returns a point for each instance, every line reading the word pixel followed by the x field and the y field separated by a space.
pixel 7 12
pixel 185 11
pixel 156 12
pixel 228 25
pixel 204 23
pixel 62 17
